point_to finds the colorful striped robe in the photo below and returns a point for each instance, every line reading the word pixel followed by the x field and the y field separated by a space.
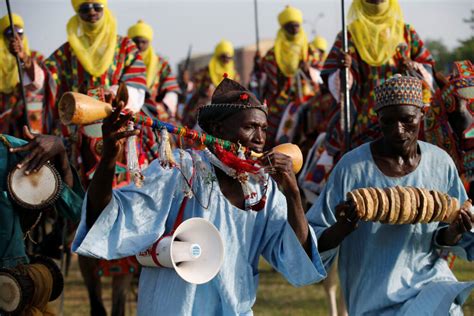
pixel 280 92
pixel 65 73
pixel 366 78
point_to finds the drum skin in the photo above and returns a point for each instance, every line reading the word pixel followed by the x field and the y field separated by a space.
pixel 16 290
pixel 35 191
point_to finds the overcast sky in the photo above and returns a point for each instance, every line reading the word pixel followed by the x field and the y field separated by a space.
pixel 180 23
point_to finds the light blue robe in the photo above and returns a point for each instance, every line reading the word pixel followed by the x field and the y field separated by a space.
pixel 136 218
pixel 394 269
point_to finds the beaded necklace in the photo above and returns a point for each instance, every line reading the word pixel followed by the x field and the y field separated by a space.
pixel 251 201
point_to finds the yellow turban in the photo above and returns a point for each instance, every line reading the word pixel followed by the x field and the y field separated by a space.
pixel 224 47
pixel 320 43
pixel 5 22
pixel 77 3
pixel 141 29
pixel 216 68
pixel 150 59
pixel 8 67
pixel 290 14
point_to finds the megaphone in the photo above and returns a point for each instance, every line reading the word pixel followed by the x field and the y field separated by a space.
pixel 195 251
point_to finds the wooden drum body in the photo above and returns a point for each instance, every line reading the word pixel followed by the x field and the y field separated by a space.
pixel 58 280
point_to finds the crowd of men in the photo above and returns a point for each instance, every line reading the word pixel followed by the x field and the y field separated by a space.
pixel 410 126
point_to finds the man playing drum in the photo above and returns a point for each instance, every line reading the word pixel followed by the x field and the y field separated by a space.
pixel 25 160
pixel 240 198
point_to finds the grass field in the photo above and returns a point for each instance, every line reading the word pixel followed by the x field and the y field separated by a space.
pixel 275 296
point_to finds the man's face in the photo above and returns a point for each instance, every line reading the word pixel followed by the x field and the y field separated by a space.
pixel 292 28
pixel 400 126
pixel 225 58
pixel 142 43
pixel 91 12
pixel 375 1
pixel 9 35
pixel 248 127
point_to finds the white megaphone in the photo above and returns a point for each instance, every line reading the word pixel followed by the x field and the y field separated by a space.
pixel 195 251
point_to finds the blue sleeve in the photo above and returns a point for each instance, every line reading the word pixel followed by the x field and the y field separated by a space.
pixel 321 215
pixel 70 201
pixel 465 247
pixel 135 217
pixel 283 250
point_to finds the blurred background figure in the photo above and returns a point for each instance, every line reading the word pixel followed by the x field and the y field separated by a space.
pixel 208 78
pixel 161 99
pixel 12 109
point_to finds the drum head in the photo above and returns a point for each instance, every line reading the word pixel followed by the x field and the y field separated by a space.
pixel 10 292
pixel 36 190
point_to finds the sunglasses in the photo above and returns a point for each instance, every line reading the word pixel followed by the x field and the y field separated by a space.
pixel 8 32
pixel 86 7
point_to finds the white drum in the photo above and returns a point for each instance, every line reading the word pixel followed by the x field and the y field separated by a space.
pixel 37 190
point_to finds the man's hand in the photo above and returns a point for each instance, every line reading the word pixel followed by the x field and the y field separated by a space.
pixel 460 225
pixel 346 60
pixel 347 217
pixel 280 167
pixel 114 131
pixel 41 149
pixel 16 47
pixel 347 222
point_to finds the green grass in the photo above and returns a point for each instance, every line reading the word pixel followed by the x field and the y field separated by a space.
pixel 275 296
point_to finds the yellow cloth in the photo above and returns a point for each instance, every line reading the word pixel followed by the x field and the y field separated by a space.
pixel 141 29
pixel 77 3
pixel 290 14
pixel 43 283
pixel 93 43
pixel 216 68
pixel 290 50
pixel 376 30
pixel 8 67
pixel 320 43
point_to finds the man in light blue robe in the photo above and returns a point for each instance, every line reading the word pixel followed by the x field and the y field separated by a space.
pixel 253 216
pixel 394 269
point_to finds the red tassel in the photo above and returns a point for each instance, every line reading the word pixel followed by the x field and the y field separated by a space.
pixel 225 75
pixel 234 162
pixel 259 205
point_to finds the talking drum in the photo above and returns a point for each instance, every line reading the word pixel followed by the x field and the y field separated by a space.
pixel 22 286
pixel 58 280
pixel 16 290
pixel 35 191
